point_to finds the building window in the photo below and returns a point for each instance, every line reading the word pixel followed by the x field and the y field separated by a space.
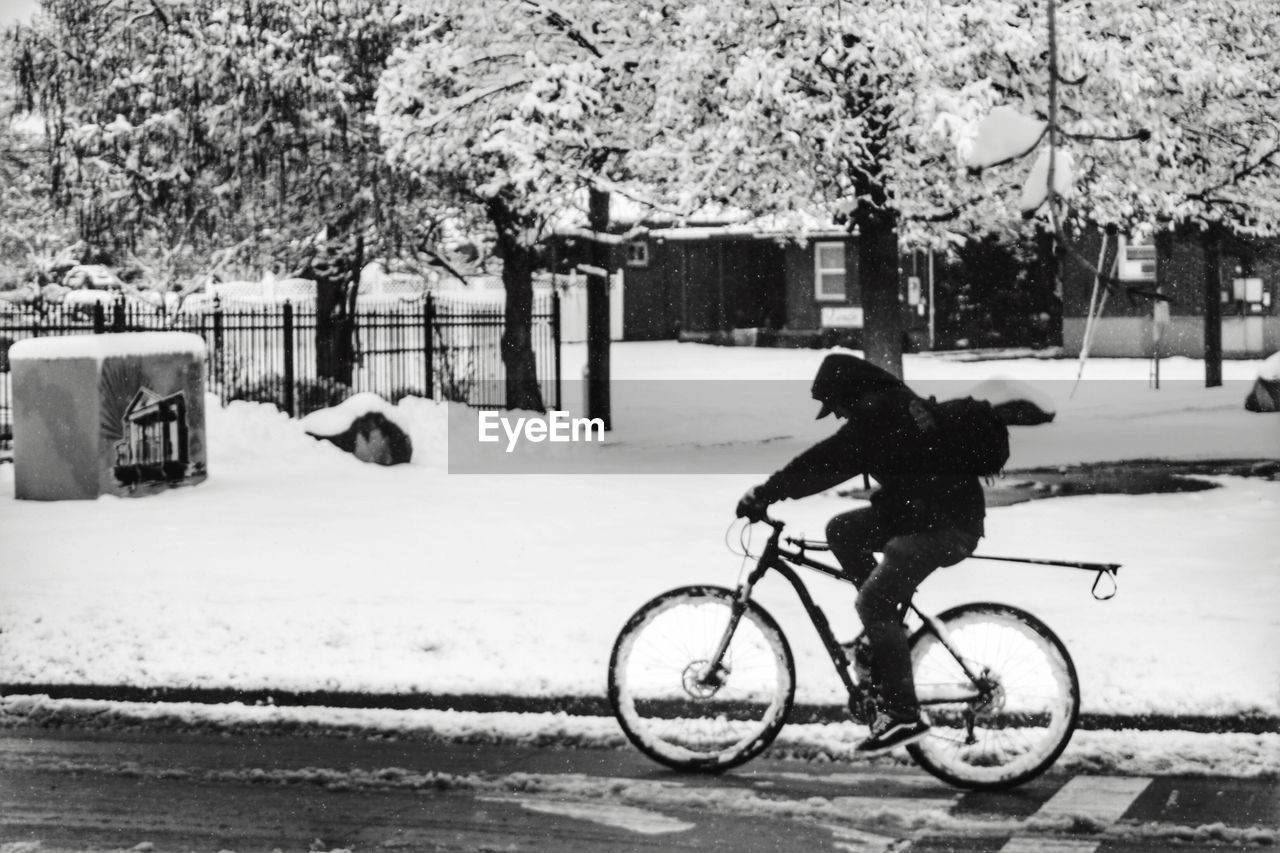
pixel 828 272
pixel 638 254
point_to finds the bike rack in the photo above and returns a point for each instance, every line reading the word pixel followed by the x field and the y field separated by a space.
pixel 1108 570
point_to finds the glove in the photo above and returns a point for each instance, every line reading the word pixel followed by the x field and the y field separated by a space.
pixel 753 506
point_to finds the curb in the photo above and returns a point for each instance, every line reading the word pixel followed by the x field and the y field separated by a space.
pixel 573 706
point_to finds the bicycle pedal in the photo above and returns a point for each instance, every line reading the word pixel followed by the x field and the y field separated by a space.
pixel 863 711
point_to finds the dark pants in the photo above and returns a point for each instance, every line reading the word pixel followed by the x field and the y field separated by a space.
pixel 884 590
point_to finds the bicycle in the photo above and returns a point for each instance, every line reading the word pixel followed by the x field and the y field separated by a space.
pixel 701 678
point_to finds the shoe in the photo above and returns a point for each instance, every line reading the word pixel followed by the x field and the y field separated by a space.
pixel 888 732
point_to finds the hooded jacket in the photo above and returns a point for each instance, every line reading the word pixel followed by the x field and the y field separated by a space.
pixel 883 439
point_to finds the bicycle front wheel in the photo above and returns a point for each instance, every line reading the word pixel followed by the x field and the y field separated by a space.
pixel 1012 720
pixel 669 702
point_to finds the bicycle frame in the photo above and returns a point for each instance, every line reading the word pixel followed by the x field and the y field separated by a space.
pixel 780 559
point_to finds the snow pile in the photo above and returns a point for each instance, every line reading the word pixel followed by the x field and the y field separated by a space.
pixel 1004 134
pixel 1036 187
pixel 1270 369
pixel 338 419
pixel 1002 389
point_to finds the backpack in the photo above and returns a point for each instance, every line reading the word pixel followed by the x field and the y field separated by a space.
pixel 971 437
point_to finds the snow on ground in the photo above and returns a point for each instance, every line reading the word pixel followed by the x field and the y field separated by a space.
pixel 296 567
pixel 1133 752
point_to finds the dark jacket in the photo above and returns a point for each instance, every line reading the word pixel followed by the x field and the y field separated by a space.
pixel 885 440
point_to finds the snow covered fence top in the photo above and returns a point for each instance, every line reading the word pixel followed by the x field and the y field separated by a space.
pixel 102 347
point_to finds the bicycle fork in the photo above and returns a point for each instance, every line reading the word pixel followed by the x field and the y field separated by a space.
pixel 716 671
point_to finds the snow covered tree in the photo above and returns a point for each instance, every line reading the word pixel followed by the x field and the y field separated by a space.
pixel 205 126
pixel 829 110
pixel 32 230
pixel 522 108
pixel 1166 114
pixel 868 113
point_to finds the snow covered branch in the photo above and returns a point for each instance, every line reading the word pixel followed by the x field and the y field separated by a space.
pixel 562 23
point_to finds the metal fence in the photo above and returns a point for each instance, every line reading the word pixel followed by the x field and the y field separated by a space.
pixel 434 346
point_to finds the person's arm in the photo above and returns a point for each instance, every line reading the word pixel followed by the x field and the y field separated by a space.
pixel 827 464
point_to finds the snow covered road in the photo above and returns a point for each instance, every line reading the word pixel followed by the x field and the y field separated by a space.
pixel 154 791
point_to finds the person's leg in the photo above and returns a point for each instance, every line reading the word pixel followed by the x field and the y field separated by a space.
pixel 853 536
pixel 908 560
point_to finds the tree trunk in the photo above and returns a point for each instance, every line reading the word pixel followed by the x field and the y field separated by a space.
pixel 598 315
pixel 334 351
pixel 336 274
pixel 517 336
pixel 1210 241
pixel 878 279
pixel 877 226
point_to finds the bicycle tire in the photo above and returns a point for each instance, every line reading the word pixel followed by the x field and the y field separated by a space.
pixel 1025 724
pixel 672 717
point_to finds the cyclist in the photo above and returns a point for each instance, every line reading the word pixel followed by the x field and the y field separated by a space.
pixel 921 517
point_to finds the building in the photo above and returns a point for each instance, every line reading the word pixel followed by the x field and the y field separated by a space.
pixel 731 283
pixel 1174 265
pixel 734 284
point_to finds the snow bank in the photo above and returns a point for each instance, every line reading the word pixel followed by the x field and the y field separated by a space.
pixel 338 419
pixel 1135 753
pixel 1270 368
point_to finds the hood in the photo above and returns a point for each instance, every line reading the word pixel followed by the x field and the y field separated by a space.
pixel 845 378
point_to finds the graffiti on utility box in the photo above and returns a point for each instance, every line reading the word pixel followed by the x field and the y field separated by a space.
pixel 155 447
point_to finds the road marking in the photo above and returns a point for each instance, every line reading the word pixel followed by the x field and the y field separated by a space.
pixel 1100 798
pixel 1040 844
pixel 850 840
pixel 1091 800
pixel 925 784
pixel 629 818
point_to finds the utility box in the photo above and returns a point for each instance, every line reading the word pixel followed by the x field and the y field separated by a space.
pixel 119 414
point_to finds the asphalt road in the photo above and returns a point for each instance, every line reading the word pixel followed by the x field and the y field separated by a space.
pixel 66 789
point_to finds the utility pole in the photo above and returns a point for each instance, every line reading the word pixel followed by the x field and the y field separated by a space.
pixel 598 314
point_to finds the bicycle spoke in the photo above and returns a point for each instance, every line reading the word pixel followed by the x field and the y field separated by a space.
pixel 1026 709
pixel 664 701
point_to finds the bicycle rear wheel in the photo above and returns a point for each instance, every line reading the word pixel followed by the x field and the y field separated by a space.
pixel 678 713
pixel 1014 722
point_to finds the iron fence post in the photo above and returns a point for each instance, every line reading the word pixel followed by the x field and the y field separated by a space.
pixel 288 360
pixel 217 347
pixel 555 341
pixel 428 346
